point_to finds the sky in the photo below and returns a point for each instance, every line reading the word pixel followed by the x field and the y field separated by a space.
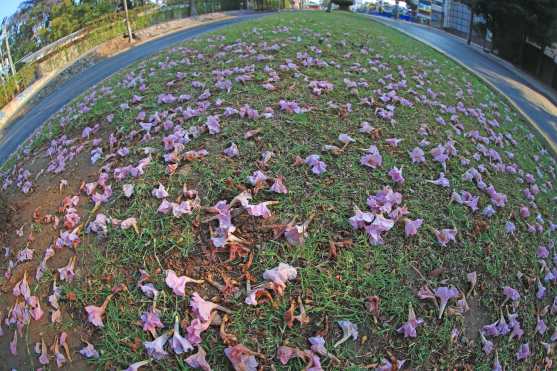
pixel 8 7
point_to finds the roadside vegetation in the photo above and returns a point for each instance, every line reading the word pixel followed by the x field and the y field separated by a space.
pixel 303 190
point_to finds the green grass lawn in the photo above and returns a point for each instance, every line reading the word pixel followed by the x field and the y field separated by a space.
pixel 340 49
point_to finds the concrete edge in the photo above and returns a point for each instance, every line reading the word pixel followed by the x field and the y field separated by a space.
pixel 9 111
pixel 552 147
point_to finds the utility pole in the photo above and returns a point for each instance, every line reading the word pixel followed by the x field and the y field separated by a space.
pixel 471 4
pixel 470 26
pixel 193 9
pixel 130 34
pixel 5 34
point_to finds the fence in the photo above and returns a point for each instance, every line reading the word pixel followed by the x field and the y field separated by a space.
pixel 111 26
pixel 456 19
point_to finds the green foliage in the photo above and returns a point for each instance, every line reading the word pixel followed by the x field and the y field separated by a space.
pixel 342 3
pixel 14 84
pixel 513 21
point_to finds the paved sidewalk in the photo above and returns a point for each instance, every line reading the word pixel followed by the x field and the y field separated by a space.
pixel 531 97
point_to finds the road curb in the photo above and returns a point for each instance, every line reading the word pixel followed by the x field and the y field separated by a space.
pixel 551 146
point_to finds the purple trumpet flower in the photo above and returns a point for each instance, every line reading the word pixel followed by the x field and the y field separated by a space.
pixel 445 294
pixel 409 327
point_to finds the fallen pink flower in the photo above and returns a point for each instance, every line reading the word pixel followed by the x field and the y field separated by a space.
pixel 22 288
pixel 441 181
pixel 180 209
pixel 165 207
pixel 179 343
pixel 89 351
pixel 67 272
pixel 95 314
pixel 296 234
pixel 178 284
pixel 511 294
pixel 35 307
pixel 278 186
pixel 285 354
pixel 198 360
pixel 445 294
pixel 149 290
pixel 213 124
pixel 135 366
pixel 194 330
pixel 366 128
pixel 349 330
pixel 318 167
pixel 160 192
pixel 393 142
pixel 202 308
pixel 43 358
pixel 128 190
pixel 155 348
pixel 372 159
pixel 279 276
pixel 129 223
pixel 257 178
pixel 487 344
pixel 260 209
pixel 417 155
pixel 445 236
pixel 411 227
pixel 409 328
pixel 242 358
pixel 290 107
pixel 151 321
pixel 523 352
pixel 345 138
pixel 396 175
pixel 232 150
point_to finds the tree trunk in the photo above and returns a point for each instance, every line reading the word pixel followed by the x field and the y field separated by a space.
pixel 193 10
pixel 521 50
pixel 541 56
pixel 5 31
pixel 128 25
pixel 329 6
pixel 470 27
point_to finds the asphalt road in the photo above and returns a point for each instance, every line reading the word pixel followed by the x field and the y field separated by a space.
pixel 531 100
pixel 17 131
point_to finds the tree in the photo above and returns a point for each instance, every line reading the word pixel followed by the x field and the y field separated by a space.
pixel 512 22
pixel 343 4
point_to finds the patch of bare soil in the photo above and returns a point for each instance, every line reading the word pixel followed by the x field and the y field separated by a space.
pixel 475 318
pixel 5 214
pixel 119 44
pixel 30 225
